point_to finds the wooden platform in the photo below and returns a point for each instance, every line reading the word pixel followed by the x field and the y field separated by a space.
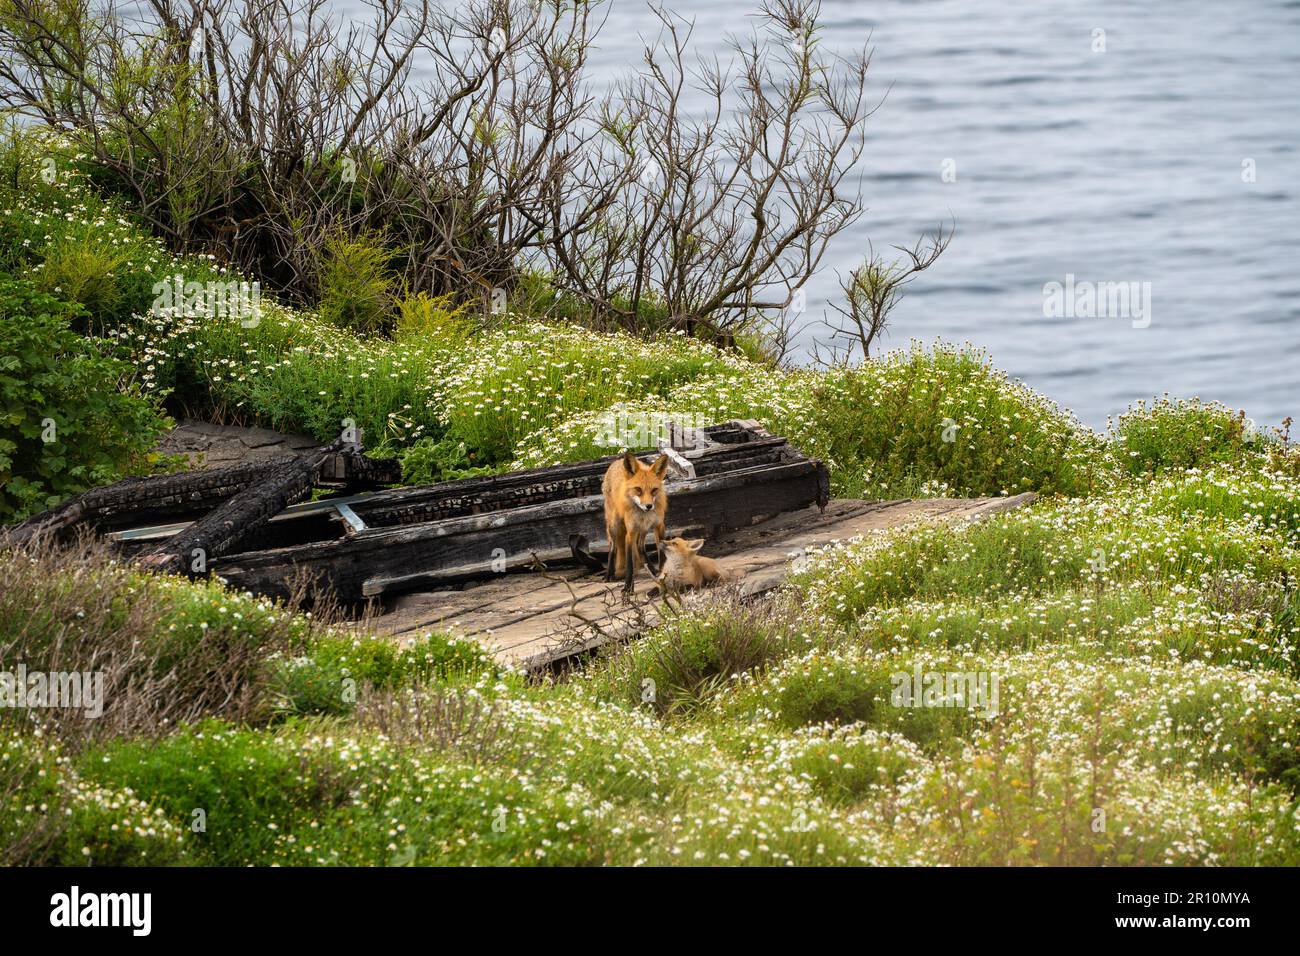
pixel 533 619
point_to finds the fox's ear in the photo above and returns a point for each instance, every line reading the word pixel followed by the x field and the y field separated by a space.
pixel 660 467
pixel 696 544
pixel 630 462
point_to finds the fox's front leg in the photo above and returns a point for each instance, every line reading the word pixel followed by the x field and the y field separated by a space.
pixel 614 563
pixel 630 546
pixel 659 548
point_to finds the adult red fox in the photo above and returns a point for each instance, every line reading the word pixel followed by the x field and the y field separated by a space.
pixel 683 568
pixel 635 505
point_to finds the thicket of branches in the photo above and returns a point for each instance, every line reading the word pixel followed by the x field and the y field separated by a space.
pixel 466 140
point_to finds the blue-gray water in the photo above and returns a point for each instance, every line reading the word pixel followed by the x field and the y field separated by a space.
pixel 1116 166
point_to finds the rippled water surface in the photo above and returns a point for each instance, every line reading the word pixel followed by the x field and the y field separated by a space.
pixel 1121 166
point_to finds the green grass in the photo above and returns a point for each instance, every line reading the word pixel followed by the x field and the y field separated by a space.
pixel 1157 694
pixel 1174 434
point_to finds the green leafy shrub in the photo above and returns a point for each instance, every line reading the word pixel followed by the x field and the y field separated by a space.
pixel 1211 720
pixel 295 373
pixel 1014 804
pixel 1044 549
pixel 49 816
pixel 428 461
pixel 250 791
pixel 526 378
pixel 70 420
pixel 32 801
pixel 358 287
pixel 844 763
pixel 327 795
pixel 843 688
pixel 945 418
pixel 1176 434
pixel 695 654
pixel 937 422
pixel 327 677
pixel 421 316
pixel 94 274
pixel 1262 498
pixel 57 230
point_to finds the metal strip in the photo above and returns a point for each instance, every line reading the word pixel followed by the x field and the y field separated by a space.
pixel 167 530
pixel 350 516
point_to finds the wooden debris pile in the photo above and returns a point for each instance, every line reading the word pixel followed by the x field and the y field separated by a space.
pixel 243 524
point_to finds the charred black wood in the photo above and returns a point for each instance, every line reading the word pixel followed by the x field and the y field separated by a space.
pixel 289 480
pixel 140 500
pixel 469 496
pixel 354 471
pixel 133 502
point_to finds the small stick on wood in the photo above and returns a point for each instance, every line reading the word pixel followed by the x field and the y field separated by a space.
pixel 539 566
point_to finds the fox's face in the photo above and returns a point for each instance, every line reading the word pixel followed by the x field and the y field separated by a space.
pixel 681 549
pixel 644 485
pixel 681 566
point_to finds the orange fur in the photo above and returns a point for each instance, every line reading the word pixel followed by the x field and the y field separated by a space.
pixel 684 568
pixel 635 505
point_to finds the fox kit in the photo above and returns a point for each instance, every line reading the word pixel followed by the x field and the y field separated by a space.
pixel 635 505
pixel 683 568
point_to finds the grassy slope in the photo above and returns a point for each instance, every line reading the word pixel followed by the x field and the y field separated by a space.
pixel 1143 631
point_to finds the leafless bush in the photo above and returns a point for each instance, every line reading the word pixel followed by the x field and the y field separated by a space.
pixel 75 610
pixel 260 128
pixel 1237 594
pixel 263 127
pixel 872 290
pixel 732 208
pixel 435 718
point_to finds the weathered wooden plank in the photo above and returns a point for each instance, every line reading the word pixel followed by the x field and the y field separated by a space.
pixel 493 604
pixel 510 611
pixel 500 607
pixel 425 610
pixel 533 627
pixel 564 632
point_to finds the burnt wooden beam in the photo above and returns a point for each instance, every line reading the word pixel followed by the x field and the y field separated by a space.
pixel 451 499
pixel 302 524
pixel 140 501
pixel 134 502
pixel 353 470
pixel 221 531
